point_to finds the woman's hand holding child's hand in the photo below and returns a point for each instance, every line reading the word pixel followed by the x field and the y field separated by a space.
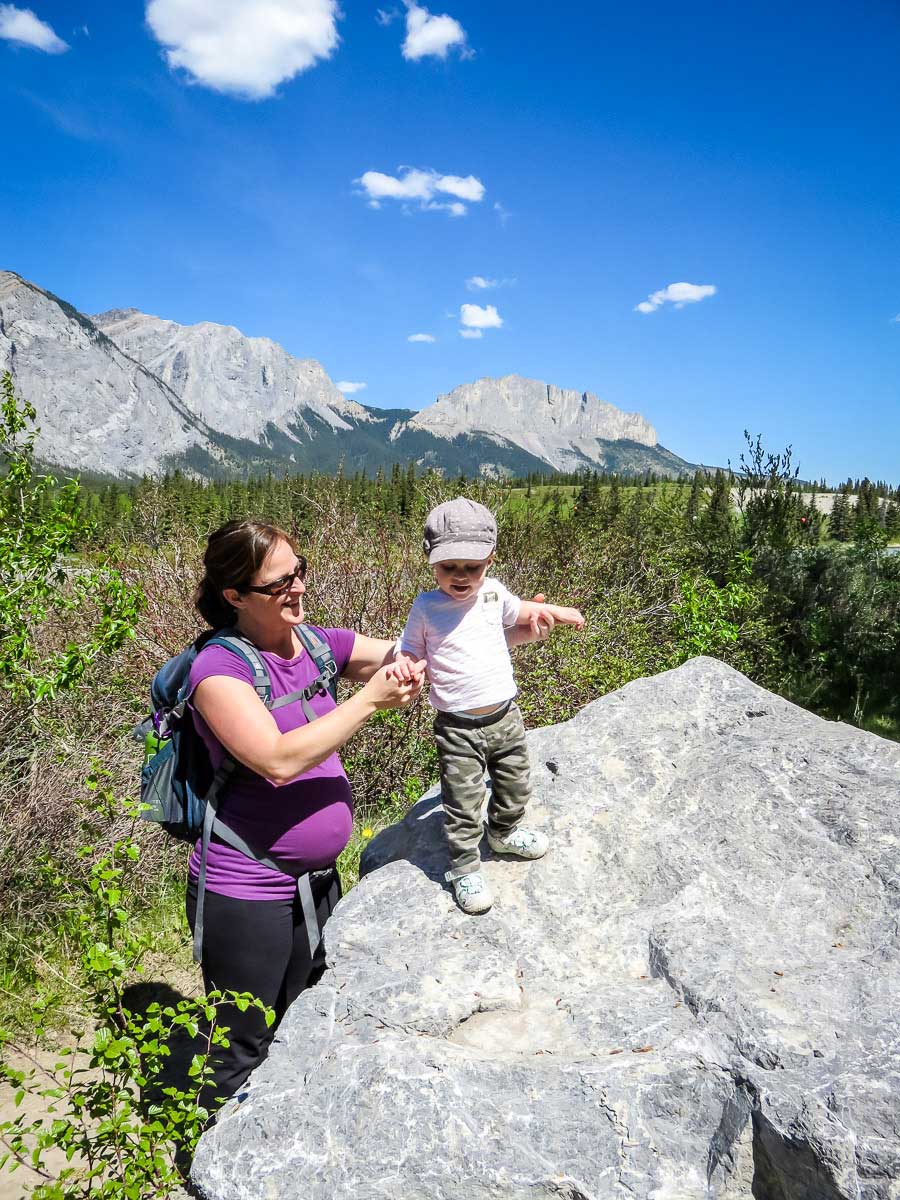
pixel 396 685
pixel 404 667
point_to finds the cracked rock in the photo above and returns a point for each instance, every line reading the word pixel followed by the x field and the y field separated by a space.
pixel 694 995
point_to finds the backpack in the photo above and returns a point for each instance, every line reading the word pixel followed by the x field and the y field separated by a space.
pixel 179 788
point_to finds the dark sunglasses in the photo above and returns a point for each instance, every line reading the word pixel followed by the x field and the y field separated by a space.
pixel 284 582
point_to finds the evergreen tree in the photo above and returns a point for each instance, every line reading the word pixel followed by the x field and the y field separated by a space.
pixel 840 521
pixel 692 512
pixel 717 522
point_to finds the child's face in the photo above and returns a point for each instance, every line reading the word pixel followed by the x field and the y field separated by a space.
pixel 461 578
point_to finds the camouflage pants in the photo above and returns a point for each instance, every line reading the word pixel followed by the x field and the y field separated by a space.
pixel 467 747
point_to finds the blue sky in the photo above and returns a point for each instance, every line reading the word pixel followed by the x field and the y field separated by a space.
pixel 221 159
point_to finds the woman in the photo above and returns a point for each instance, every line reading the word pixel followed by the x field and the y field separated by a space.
pixel 292 800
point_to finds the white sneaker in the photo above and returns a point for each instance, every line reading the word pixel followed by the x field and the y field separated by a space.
pixel 472 892
pixel 522 842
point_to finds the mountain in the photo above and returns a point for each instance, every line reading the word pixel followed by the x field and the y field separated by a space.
pixel 242 384
pixel 98 409
pixel 565 428
pixel 123 393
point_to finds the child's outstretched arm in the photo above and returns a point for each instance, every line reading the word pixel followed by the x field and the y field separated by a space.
pixel 541 617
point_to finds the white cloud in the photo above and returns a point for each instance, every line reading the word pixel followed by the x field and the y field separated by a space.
pixel 471 333
pixel 466 188
pixel 473 316
pixel 349 388
pixel 895 320
pixel 421 337
pixel 384 16
pixel 428 36
pixel 478 283
pixel 246 47
pixel 502 213
pixel 423 186
pixel 21 26
pixel 678 294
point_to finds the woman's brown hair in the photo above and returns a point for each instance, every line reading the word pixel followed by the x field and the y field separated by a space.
pixel 234 553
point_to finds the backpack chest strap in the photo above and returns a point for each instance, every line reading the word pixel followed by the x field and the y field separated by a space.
pixel 318 687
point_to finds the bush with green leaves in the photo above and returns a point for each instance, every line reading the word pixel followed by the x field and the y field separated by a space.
pixel 125 1122
pixel 838 608
pixel 40 524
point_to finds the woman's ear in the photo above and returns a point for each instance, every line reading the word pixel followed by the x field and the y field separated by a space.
pixel 233 597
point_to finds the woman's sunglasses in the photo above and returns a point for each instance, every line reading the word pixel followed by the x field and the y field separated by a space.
pixel 284 582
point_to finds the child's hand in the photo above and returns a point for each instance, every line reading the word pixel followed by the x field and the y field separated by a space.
pixel 567 616
pixel 540 620
pixel 385 690
pixel 540 617
pixel 405 669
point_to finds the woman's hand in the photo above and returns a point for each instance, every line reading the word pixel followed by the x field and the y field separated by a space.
pixel 386 689
pixel 405 667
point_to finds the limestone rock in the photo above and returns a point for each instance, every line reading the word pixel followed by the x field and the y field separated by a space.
pixel 565 428
pixel 237 384
pixel 98 409
pixel 694 995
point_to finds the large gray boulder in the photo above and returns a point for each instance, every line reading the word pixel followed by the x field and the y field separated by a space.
pixel 695 994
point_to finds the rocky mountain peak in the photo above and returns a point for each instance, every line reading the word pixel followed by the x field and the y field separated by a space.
pixel 558 424
pixel 127 393
pixel 239 384
pixel 98 409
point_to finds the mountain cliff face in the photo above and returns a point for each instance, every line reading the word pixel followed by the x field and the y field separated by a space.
pixel 234 383
pixel 98 409
pixel 125 394
pixel 565 428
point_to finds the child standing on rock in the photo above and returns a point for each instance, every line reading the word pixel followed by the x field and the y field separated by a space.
pixel 459 630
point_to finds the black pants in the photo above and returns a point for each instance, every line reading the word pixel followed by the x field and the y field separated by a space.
pixel 262 947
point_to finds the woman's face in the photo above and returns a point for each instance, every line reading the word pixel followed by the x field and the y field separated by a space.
pixel 282 570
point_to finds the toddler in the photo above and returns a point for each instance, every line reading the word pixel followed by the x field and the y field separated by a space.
pixel 459 630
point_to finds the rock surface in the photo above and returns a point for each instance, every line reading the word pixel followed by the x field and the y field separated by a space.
pixel 695 994
pixel 98 409
pixel 237 384
pixel 558 425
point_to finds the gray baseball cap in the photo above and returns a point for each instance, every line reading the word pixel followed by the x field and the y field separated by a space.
pixel 459 528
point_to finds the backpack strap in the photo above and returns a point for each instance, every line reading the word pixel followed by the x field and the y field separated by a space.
pixel 244 648
pixel 212 825
pixel 325 682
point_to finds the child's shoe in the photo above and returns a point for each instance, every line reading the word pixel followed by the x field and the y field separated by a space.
pixel 522 842
pixel 472 892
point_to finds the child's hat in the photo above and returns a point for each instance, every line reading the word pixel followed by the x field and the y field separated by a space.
pixel 459 528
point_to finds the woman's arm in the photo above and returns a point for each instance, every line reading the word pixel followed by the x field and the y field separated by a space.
pixel 247 730
pixel 367 656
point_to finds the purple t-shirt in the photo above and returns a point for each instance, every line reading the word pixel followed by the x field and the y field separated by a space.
pixel 306 822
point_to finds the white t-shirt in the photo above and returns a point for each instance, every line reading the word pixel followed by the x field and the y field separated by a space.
pixel 464 645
